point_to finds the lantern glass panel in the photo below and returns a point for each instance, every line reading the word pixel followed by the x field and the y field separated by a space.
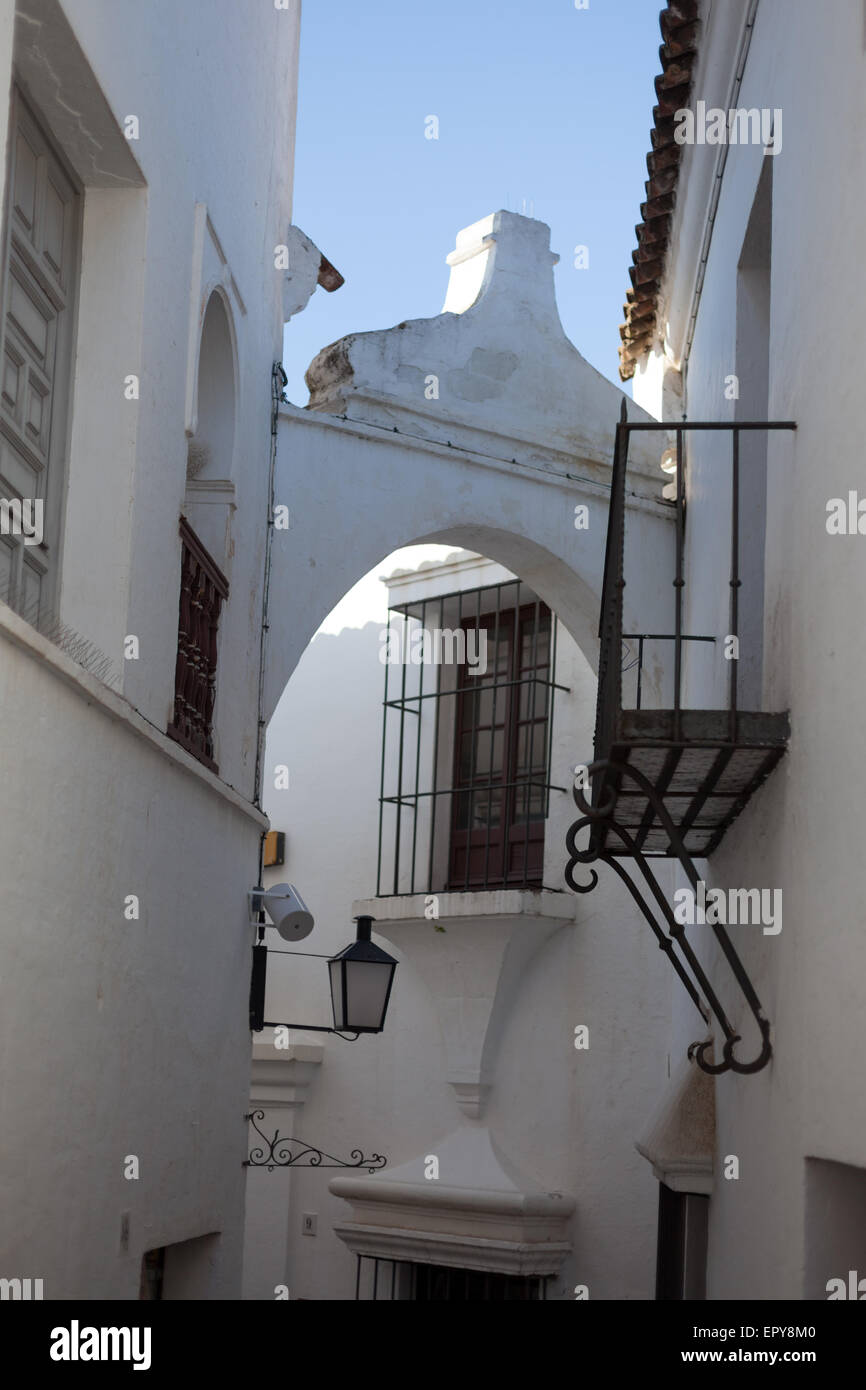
pixel 359 991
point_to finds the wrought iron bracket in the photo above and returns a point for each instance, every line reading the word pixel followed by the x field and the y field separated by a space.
pixel 280 1153
pixel 659 914
pixel 258 979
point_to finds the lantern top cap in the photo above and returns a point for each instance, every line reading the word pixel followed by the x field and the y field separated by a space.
pixel 366 951
pixel 365 926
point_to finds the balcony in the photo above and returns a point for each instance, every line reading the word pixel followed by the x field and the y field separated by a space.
pixel 669 781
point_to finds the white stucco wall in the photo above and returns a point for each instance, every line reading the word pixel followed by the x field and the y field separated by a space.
pixel 802 832
pixel 564 1119
pixel 130 1037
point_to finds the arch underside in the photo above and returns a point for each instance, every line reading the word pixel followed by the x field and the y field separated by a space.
pixel 401 491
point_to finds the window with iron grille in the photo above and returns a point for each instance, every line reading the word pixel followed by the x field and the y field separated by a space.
pixel 404 1281
pixel 468 709
pixel 203 590
pixel 500 767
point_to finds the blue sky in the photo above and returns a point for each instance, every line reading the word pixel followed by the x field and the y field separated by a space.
pixel 536 100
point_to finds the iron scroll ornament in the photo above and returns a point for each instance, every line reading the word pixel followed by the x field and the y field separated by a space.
pixel 277 1153
pixel 596 817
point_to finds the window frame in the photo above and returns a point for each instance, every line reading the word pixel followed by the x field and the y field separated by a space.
pixel 45 558
pixel 511 836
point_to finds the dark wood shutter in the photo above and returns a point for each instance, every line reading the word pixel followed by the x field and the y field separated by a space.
pixel 203 590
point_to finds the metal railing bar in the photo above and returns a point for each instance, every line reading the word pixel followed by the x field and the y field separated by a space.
pixel 473 745
pixel 493 730
pixel 664 637
pixel 676 929
pixel 501 685
pixel 735 580
pixel 400 766
pixel 640 642
pixel 678 586
pixel 500 884
pixel 528 788
pixel 669 426
pixel 435 759
pixel 418 757
pixel 382 774
pixel 554 633
pixel 409 797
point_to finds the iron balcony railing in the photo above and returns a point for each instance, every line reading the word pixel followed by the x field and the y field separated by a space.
pixel 748 743
pixel 668 782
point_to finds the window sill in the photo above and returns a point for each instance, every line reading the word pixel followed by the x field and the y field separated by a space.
pixel 509 904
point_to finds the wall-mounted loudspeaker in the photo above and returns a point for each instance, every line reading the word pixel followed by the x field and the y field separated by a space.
pixel 288 912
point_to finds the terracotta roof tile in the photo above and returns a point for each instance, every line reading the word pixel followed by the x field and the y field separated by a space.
pixel 679 26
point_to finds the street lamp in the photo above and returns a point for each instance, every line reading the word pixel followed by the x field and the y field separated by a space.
pixel 361 975
pixel 361 979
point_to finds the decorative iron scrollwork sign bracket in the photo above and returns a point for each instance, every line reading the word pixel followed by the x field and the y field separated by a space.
pixel 601 823
pixel 294 1153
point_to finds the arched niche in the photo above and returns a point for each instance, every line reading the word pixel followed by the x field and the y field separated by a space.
pixel 210 489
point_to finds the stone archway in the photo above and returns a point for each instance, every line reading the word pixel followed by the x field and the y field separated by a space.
pixel 481 427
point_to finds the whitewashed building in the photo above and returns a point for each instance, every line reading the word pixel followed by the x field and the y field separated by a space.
pixel 726 781
pixel 558 1117
pixel 526 1043
pixel 147 158
pixel 511 1174
pixel 746 288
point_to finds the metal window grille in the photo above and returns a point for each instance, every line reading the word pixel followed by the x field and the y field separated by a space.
pixel 203 590
pixel 378 1280
pixel 466 741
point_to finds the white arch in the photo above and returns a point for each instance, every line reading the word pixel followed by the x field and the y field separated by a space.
pixel 520 433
